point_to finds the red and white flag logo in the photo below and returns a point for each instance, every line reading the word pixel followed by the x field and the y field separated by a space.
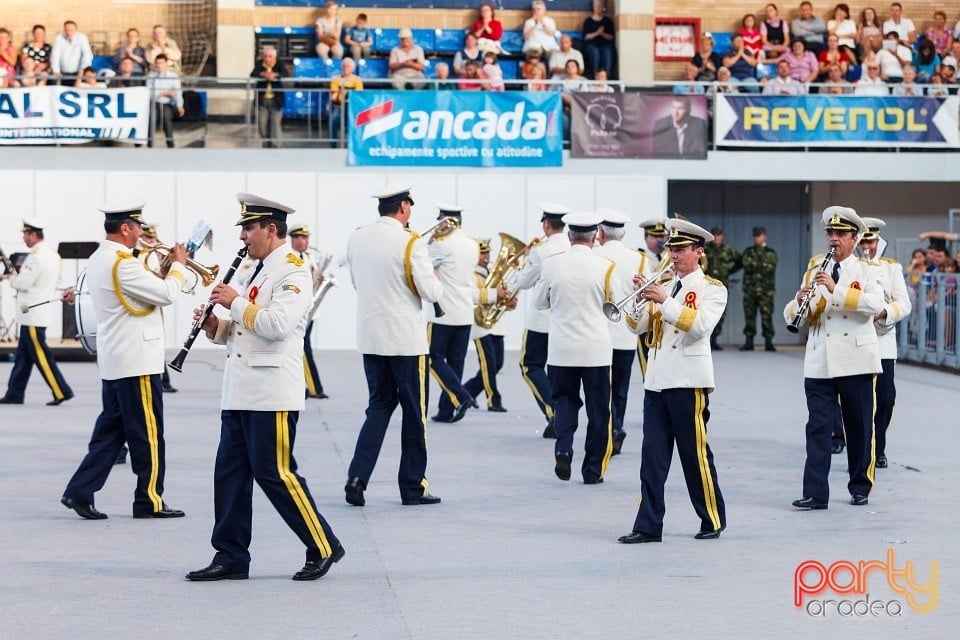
pixel 378 118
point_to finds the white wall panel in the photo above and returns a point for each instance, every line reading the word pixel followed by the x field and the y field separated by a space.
pixel 640 197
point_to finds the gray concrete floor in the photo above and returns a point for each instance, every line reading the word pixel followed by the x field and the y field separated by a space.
pixel 512 552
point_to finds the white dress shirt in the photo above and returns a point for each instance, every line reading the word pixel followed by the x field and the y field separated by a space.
pixel 70 57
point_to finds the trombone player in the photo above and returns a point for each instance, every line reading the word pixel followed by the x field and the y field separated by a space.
pixel 300 243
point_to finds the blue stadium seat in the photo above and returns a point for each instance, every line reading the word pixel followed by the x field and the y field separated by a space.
pixel 510 68
pixel 303 103
pixel 334 67
pixel 373 67
pixel 284 31
pixel 721 41
pixel 385 39
pixel 102 62
pixel 426 38
pixel 309 68
pixel 512 41
pixel 449 40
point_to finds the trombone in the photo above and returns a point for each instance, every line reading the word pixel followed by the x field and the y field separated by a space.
pixel 204 274
pixel 614 311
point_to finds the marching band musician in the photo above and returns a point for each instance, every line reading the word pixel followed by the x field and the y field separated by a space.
pixel 488 342
pixel 454 256
pixel 841 358
pixel 392 274
pixel 300 243
pixel 533 351
pixel 36 285
pixel 896 307
pixel 656 251
pixel 574 285
pixel 628 264
pixel 130 350
pixel 147 241
pixel 262 399
pixel 678 380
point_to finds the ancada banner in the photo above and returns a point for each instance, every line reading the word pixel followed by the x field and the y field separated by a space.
pixel 63 115
pixel 452 128
pixel 835 121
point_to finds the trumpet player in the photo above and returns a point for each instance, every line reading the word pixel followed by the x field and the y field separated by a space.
pixel 488 342
pixel 656 251
pixel 300 243
pixel 130 350
pixel 680 315
pixel 841 359
pixel 35 284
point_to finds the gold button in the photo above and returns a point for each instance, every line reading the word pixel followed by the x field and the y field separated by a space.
pixel 239 333
pixel 674 347
pixel 845 333
pixel 238 355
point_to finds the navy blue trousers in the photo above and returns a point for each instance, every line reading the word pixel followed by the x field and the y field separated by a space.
pixel 258 445
pixel 533 367
pixel 886 398
pixel 448 351
pixel 32 350
pixel 566 382
pixel 132 413
pixel 393 380
pixel 678 416
pixel 620 385
pixel 310 374
pixel 855 395
pixel 490 354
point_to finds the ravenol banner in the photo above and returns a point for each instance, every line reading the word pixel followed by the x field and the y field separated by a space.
pixel 452 128
pixel 53 114
pixel 833 121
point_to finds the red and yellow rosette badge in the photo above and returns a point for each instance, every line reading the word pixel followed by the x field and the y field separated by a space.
pixel 252 296
pixel 690 299
pixel 855 285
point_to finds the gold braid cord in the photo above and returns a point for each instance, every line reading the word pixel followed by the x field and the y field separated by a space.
pixel 121 256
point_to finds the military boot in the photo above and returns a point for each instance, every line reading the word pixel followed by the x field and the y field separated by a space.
pixel 714 345
pixel 769 345
pixel 748 344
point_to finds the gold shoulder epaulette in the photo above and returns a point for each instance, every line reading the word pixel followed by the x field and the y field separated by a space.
pixel 123 255
pixel 553 255
pixel 712 281
pixel 888 260
pixel 294 259
pixel 816 260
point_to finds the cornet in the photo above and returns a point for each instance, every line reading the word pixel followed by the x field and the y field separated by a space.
pixel 204 274
pixel 615 311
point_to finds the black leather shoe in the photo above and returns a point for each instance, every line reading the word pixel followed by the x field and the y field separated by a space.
pixel 424 499
pixel 593 481
pixel 165 512
pixel 354 492
pixel 548 431
pixel 9 400
pixel 169 388
pixel 497 408
pixel 474 404
pixel 122 456
pixel 460 411
pixel 440 418
pixel 748 345
pixel 54 403
pixel 769 346
pixel 858 499
pixel 716 347
pixel 636 537
pixel 562 468
pixel 320 395
pixel 314 569
pixel 618 437
pixel 83 510
pixel 216 572
pixel 709 535
pixel 881 462
pixel 838 446
pixel 809 503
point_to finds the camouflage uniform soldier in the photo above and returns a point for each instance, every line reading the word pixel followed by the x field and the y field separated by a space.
pixel 759 278
pixel 722 261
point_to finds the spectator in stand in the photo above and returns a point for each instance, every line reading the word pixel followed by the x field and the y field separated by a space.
pixel 340 88
pixel 470 53
pixel 690 86
pixel 599 84
pixel 871 84
pixel 809 28
pixel 926 60
pixel 843 27
pixel 539 30
pixel 936 88
pixel 488 29
pixel 532 60
pixel 329 30
pixel 442 72
pixel 537 77
pixel 407 63
pixel 492 72
pixel 129 75
pixel 29 76
pixel 892 57
pixel 161 43
pixel 8 59
pixel 724 85
pixel 598 40
pixel 832 55
pixel 909 86
pixel 560 57
pixel 571 82
pixel 752 39
pixel 742 65
pixel 706 60
pixel 869 33
pixel 164 85
pixel 774 33
pixel 270 98
pixel 836 85
pixel 37 49
pixel 938 34
pixel 472 79
pixel 131 51
pixel 783 84
pixel 804 67
pixel 948 73
pixel 88 78
pixel 903 26
pixel 70 53
pixel 359 38
pixel 953 57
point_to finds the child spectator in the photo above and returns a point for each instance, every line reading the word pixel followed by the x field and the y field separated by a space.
pixel 537 77
pixel 936 88
pixel 599 84
pixel 359 38
pixel 492 72
pixel 442 71
pixel 28 74
pixel 752 40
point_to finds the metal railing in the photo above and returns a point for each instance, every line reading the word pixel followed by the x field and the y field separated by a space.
pixel 929 334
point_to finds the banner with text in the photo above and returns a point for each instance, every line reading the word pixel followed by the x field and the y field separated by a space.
pixel 638 125
pixel 836 121
pixel 67 115
pixel 450 128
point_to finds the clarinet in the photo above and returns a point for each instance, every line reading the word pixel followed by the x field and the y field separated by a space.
pixel 794 327
pixel 177 363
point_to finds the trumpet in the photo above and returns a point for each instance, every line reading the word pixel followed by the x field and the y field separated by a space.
pixel 614 311
pixel 794 327
pixel 204 274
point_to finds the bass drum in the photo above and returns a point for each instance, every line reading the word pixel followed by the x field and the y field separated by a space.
pixel 86 316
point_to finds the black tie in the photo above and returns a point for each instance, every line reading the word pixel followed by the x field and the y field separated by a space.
pixel 836 272
pixel 256 271
pixel 676 288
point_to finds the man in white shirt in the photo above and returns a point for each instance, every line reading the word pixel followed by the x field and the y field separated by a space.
pixel 558 59
pixel 71 53
pixel 782 84
pixel 872 84
pixel 903 26
pixel 164 85
pixel 539 30
pixel 407 62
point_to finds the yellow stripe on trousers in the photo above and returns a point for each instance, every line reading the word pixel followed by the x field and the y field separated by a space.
pixel 484 371
pixel 709 493
pixel 422 381
pixel 608 453
pixel 299 496
pixel 153 442
pixel 45 369
pixel 872 467
pixel 454 400
pixel 523 371
pixel 311 385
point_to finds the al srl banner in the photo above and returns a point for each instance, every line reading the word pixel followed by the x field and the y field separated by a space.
pixel 836 121
pixel 68 115
pixel 638 125
pixel 455 128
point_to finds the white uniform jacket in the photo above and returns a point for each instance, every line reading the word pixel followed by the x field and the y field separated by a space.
pixel 391 272
pixel 127 297
pixel 264 337
pixel 484 296
pixel 574 286
pixel 244 273
pixel 455 255
pixel 37 282
pixel 842 340
pixel 680 329
pixel 539 319
pixel 896 302
pixel 629 263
